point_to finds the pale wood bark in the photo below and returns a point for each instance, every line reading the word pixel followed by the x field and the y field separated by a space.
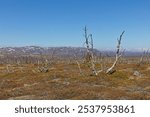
pixel 89 47
pixel 118 55
pixel 79 67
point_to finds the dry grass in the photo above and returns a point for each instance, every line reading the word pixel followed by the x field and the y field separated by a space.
pixel 63 81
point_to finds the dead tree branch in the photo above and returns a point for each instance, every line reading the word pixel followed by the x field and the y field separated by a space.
pixel 118 55
pixel 79 67
pixel 89 47
pixel 144 57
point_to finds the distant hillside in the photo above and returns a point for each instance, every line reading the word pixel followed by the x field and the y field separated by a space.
pixel 59 51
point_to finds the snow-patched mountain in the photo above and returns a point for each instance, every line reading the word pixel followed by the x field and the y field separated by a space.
pixel 37 50
pixel 61 51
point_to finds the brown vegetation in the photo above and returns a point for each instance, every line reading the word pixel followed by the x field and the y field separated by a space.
pixel 64 81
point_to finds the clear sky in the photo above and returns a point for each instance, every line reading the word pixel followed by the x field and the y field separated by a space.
pixel 61 22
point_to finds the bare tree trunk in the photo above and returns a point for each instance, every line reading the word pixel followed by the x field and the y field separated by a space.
pixel 141 59
pixel 19 66
pixel 118 55
pixel 147 56
pixel 79 67
pixel 9 68
pixel 89 56
pixel 92 58
pixel 144 58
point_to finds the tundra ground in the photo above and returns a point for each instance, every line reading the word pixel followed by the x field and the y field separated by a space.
pixel 64 82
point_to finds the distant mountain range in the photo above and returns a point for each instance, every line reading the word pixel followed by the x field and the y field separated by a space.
pixel 61 51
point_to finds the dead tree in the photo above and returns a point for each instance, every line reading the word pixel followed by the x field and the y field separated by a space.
pixel 19 65
pixel 89 54
pixel 46 62
pixel 148 56
pixel 118 55
pixel 144 57
pixel 9 68
pixel 43 67
pixel 42 64
pixel 79 67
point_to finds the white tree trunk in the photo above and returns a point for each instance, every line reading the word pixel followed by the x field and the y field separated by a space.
pixel 118 55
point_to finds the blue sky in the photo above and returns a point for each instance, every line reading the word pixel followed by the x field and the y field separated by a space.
pixel 61 22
